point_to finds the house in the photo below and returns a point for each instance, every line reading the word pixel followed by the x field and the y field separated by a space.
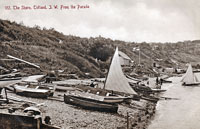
pixel 180 71
pixel 124 59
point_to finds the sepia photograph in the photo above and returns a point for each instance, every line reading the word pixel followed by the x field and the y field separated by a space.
pixel 99 64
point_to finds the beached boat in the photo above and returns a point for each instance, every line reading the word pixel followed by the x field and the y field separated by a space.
pixel 35 90
pixel 116 87
pixel 140 88
pixel 116 90
pixel 166 81
pixel 116 81
pixel 10 79
pixel 189 78
pixel 90 103
pixel 158 90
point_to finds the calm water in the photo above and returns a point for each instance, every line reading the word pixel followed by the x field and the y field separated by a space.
pixel 183 113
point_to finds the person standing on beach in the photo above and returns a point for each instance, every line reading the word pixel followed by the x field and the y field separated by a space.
pixel 157 81
pixel 161 81
pixel 92 84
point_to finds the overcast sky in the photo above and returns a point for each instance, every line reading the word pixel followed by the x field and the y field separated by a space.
pixel 128 20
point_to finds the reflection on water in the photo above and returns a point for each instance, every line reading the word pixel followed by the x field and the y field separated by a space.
pixel 183 113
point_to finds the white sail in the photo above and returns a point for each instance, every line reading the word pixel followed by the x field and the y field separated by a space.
pixel 189 77
pixel 116 80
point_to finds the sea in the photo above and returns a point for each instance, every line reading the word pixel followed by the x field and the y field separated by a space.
pixel 182 108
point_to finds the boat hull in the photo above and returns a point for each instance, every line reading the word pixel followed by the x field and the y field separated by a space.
pixel 111 99
pixel 158 90
pixel 166 81
pixel 31 92
pixel 191 84
pixel 90 104
pixel 3 101
pixel 10 79
pixel 117 99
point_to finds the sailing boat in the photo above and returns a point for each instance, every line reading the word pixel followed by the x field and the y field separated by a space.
pixel 116 81
pixel 116 85
pixel 190 78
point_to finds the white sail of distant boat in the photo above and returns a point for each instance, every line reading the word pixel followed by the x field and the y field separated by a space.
pixel 190 78
pixel 116 80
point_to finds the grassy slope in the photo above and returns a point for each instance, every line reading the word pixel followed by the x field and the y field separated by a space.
pixel 53 50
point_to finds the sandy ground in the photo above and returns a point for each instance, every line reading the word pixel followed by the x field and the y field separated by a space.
pixel 70 117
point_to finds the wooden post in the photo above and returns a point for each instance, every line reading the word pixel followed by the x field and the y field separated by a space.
pixel 127 120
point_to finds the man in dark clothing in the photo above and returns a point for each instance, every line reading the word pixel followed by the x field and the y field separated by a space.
pixel 157 81
pixel 92 84
pixel 161 81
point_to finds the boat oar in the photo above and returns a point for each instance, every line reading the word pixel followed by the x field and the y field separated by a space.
pixel 56 99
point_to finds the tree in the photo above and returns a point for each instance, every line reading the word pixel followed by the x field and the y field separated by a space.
pixel 100 51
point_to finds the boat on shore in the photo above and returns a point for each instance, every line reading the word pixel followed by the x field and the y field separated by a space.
pixel 166 81
pixel 117 82
pixel 116 87
pixel 189 78
pixel 11 79
pixel 35 90
pixel 107 95
pixel 141 88
pixel 158 90
pixel 90 103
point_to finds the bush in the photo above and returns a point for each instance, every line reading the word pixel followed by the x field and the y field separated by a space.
pixel 100 52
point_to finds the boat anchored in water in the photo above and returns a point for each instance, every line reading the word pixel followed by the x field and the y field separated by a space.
pixel 189 78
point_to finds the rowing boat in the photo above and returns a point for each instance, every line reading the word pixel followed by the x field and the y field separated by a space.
pixel 90 103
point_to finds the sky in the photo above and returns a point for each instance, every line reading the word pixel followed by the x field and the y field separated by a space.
pixel 127 20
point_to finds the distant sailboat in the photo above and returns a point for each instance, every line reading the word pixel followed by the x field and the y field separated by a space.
pixel 190 78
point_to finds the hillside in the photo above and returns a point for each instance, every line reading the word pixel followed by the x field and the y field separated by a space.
pixel 53 50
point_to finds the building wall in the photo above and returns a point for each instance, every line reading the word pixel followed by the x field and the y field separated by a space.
pixel 124 62
pixel 169 70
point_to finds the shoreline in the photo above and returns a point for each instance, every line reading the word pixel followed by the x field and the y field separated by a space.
pixel 68 116
pixel 71 117
pixel 142 119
